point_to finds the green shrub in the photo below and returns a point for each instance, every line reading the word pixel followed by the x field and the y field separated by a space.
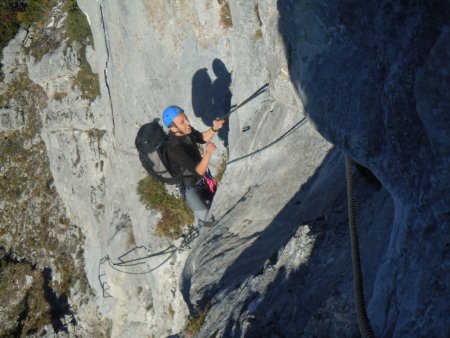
pixel 78 29
pixel 85 79
pixel 15 13
pixel 175 214
pixel 35 11
pixel 195 323
pixel 77 26
pixel 9 23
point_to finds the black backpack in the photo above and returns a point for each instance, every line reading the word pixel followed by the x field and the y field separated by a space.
pixel 151 143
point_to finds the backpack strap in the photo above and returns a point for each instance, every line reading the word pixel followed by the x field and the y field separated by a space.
pixel 164 157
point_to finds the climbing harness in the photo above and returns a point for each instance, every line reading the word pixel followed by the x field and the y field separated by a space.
pixel 363 320
pixel 208 183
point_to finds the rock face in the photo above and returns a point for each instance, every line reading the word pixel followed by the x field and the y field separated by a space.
pixel 364 89
pixel 42 276
pixel 375 79
pixel 369 80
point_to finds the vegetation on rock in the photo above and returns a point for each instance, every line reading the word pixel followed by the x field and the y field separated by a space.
pixel 77 26
pixel 226 21
pixel 15 14
pixel 221 169
pixel 44 37
pixel 32 214
pixel 35 284
pixel 175 214
pixel 85 79
pixel 27 308
pixel 79 31
pixel 9 22
pixel 195 323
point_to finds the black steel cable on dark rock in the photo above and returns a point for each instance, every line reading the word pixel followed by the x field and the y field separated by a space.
pixel 363 320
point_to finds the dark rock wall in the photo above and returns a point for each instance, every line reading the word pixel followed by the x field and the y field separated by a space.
pixel 374 76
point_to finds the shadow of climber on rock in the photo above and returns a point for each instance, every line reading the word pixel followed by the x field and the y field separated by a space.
pixel 211 99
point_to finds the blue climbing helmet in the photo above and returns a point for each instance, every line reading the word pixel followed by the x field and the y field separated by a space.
pixel 170 113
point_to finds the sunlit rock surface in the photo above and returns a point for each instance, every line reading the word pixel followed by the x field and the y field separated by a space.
pixel 369 80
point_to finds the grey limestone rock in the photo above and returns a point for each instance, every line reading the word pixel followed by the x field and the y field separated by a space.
pixel 365 79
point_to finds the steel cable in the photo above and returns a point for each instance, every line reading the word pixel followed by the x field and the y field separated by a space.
pixel 363 320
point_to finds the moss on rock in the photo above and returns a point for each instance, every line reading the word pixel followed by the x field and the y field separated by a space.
pixel 175 213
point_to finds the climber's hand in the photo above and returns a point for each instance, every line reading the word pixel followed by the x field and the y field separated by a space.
pixel 218 124
pixel 210 148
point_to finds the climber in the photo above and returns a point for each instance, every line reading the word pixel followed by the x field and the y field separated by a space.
pixel 196 182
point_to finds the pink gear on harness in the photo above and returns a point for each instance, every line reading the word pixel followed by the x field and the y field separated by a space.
pixel 210 182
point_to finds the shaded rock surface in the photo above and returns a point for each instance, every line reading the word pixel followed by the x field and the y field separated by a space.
pixel 372 73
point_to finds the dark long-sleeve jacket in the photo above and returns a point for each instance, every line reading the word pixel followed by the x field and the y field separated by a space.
pixel 183 155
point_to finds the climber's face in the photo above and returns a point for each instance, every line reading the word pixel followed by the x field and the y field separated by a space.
pixel 181 125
